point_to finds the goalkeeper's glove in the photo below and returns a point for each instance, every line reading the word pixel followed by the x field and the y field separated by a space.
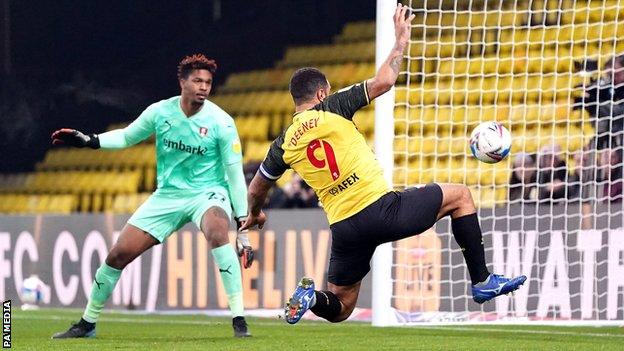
pixel 75 138
pixel 243 247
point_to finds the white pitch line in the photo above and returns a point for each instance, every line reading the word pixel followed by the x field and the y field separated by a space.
pixel 272 323
pixel 526 331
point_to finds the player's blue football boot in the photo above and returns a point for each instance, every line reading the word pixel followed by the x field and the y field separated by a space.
pixel 494 286
pixel 300 301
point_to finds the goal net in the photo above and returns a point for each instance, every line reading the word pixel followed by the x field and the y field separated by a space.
pixel 552 73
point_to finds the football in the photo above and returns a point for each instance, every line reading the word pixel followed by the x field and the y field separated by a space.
pixel 490 142
pixel 32 291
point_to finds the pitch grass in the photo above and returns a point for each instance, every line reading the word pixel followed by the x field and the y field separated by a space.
pixel 31 330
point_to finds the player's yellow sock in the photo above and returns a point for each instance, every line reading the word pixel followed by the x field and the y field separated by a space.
pixel 106 278
pixel 227 261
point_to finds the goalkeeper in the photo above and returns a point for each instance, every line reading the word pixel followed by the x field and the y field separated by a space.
pixel 325 149
pixel 200 179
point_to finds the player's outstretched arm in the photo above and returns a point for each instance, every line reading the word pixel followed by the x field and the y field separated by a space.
pixel 139 130
pixel 389 71
pixel 72 137
pixel 114 139
pixel 257 193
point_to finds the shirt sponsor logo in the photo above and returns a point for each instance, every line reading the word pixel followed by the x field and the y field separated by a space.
pixel 179 145
pixel 344 185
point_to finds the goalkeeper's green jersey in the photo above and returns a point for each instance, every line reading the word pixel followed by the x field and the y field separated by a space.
pixel 191 152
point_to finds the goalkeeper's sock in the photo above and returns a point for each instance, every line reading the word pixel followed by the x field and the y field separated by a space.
pixel 467 233
pixel 227 261
pixel 106 278
pixel 326 305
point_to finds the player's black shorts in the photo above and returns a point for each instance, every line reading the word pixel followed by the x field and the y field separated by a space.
pixel 395 216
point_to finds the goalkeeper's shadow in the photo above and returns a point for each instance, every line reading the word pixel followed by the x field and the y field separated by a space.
pixel 177 340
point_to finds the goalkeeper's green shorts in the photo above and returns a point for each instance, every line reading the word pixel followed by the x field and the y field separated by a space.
pixel 166 211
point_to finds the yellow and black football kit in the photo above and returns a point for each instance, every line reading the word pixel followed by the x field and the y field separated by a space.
pixel 325 148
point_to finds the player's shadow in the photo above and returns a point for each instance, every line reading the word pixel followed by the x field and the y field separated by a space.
pixel 176 338
pixel 174 342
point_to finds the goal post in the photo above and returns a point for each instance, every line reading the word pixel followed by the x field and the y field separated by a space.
pixel 530 65
pixel 382 313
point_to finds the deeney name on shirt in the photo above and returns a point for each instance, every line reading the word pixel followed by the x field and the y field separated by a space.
pixel 302 129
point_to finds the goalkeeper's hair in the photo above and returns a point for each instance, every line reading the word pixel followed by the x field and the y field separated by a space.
pixel 305 82
pixel 193 62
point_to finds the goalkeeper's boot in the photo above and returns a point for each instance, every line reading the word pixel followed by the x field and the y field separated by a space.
pixel 240 327
pixel 81 329
pixel 495 285
pixel 300 301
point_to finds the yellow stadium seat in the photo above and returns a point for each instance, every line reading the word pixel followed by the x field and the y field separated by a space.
pixel 426 177
pixel 258 127
pixel 5 202
pixel 486 175
pixel 399 176
pixel 121 203
pixel 459 145
pixel 400 146
pixel 501 176
pixel 429 144
pixel 128 203
pixel 61 204
pixel 357 31
pixel 414 147
pixel 241 127
pixel 485 196
pixel 413 177
pixel 441 175
pixel 276 126
pixel 401 121
pixel 416 114
pixel 471 176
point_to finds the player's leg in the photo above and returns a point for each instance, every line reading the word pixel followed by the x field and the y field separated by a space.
pixel 458 203
pixel 215 225
pixel 326 305
pixel 353 246
pixel 417 209
pixel 153 221
pixel 334 304
pixel 132 242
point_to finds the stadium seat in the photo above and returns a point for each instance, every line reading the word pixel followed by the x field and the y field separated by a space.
pixel 255 150
pixel 356 31
pixel 128 203
pixel 35 204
